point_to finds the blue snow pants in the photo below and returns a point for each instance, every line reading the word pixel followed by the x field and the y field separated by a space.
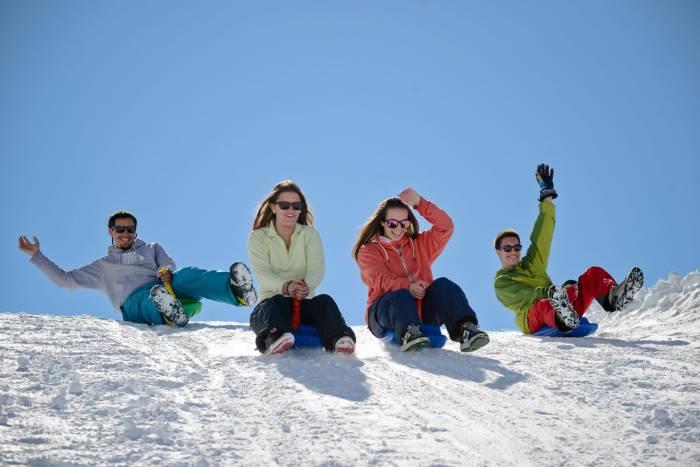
pixel 187 282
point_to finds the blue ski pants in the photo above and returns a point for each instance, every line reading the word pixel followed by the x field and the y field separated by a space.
pixel 187 282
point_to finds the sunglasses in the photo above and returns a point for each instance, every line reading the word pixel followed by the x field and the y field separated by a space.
pixel 509 248
pixel 393 223
pixel 124 228
pixel 284 205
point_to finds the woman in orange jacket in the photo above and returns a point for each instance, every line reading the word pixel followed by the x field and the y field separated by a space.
pixel 395 260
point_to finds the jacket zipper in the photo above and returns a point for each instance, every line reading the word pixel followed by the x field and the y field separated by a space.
pixel 403 263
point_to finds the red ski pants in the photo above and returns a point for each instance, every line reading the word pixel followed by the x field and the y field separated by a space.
pixel 593 284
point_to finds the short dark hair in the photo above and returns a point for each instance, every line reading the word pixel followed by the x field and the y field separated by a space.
pixel 120 215
pixel 504 234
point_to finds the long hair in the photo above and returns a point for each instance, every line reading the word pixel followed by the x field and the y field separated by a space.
pixel 373 226
pixel 265 215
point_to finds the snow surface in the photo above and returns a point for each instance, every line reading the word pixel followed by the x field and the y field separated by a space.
pixel 87 391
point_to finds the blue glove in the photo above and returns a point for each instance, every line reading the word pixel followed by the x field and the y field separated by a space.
pixel 545 177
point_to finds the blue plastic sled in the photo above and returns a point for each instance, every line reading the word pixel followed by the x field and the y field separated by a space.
pixel 306 336
pixel 584 328
pixel 432 332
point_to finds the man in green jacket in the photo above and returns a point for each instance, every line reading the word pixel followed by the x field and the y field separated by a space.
pixel 523 286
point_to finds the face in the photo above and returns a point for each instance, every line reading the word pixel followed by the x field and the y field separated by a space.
pixel 512 257
pixel 125 239
pixel 396 223
pixel 287 217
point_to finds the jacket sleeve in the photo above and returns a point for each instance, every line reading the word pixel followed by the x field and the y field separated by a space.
pixel 315 261
pixel 163 259
pixel 375 273
pixel 259 255
pixel 537 256
pixel 514 295
pixel 87 277
pixel 434 240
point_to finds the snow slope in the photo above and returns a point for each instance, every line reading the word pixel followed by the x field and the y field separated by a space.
pixel 86 391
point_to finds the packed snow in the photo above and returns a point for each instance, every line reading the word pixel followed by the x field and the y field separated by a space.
pixel 88 391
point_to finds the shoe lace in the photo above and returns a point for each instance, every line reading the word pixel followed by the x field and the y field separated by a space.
pixel 411 331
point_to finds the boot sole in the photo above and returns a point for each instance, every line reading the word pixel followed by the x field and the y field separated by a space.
pixel 416 344
pixel 242 288
pixel 169 307
pixel 559 300
pixel 281 345
pixel 633 283
pixel 475 343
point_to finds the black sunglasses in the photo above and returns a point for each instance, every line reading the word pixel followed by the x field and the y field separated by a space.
pixel 124 228
pixel 509 248
pixel 284 205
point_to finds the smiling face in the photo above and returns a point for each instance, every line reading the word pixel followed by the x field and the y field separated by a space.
pixel 512 257
pixel 287 218
pixel 125 239
pixel 396 223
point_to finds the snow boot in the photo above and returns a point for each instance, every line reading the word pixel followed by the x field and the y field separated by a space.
pixel 565 316
pixel 169 307
pixel 241 283
pixel 472 338
pixel 344 345
pixel 622 294
pixel 276 343
pixel 413 339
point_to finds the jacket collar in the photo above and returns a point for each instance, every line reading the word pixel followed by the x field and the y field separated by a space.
pixel 137 244
pixel 272 232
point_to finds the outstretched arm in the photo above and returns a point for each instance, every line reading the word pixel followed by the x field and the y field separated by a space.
pixel 88 277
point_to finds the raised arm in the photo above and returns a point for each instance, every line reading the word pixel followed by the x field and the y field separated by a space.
pixel 433 240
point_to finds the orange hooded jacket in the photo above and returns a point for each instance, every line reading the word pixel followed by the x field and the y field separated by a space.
pixel 386 267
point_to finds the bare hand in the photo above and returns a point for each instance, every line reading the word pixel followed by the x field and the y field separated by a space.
pixel 28 247
pixel 297 289
pixel 165 274
pixel 417 289
pixel 410 197
pixel 302 290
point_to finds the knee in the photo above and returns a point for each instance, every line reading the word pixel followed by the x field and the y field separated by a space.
pixel 325 302
pixel 443 284
pixel 401 296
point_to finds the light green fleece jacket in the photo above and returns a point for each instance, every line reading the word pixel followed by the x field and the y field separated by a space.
pixel 519 287
pixel 274 264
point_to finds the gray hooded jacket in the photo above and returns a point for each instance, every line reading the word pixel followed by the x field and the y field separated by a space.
pixel 117 274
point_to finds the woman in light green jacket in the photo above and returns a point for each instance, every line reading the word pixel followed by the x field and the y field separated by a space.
pixel 286 253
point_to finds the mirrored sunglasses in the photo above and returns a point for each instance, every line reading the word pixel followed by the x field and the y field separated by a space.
pixel 394 223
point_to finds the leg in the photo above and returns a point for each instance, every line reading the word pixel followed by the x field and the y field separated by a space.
pixel 271 316
pixel 322 312
pixel 445 303
pixel 139 308
pixel 394 310
pixel 594 284
pixel 201 283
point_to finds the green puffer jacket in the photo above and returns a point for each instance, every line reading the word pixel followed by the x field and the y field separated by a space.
pixel 517 288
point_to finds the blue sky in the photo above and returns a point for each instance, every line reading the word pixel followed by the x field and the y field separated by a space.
pixel 188 114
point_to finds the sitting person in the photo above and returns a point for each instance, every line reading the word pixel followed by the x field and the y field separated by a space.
pixel 287 256
pixel 132 272
pixel 523 286
pixel 395 262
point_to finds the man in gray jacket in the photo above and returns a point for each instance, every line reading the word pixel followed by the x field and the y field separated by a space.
pixel 133 272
